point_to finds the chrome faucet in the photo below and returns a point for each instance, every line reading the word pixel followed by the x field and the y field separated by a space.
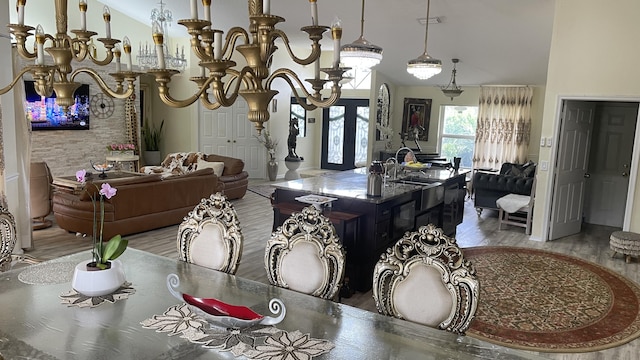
pixel 406 148
pixel 395 167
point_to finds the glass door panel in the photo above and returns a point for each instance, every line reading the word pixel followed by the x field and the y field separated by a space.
pixel 345 131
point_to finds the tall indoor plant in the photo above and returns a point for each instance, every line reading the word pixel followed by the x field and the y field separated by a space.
pixel 152 137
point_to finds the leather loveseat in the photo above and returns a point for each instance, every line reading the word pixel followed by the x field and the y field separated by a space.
pixel 512 179
pixel 141 203
pixel 233 180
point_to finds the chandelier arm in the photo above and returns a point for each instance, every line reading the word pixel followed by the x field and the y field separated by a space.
pixel 217 95
pixel 230 41
pixel 315 100
pixel 118 94
pixel 315 48
pixel 15 80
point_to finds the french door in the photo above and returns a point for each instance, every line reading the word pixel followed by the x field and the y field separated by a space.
pixel 345 133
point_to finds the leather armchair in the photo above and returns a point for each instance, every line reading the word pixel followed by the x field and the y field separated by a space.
pixel 41 192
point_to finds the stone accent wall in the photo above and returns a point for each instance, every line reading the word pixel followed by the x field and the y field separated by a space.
pixel 67 151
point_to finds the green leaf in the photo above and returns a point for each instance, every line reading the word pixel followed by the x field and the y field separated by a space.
pixel 114 248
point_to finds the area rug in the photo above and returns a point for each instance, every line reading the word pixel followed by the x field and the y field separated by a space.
pixel 543 301
pixel 264 190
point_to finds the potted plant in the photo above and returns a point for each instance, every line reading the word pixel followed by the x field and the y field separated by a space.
pixel 152 137
pixel 103 274
pixel 271 145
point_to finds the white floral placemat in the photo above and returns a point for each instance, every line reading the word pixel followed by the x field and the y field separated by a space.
pixel 48 273
pixel 255 342
pixel 74 298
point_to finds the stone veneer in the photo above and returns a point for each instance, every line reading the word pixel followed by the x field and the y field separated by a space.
pixel 66 151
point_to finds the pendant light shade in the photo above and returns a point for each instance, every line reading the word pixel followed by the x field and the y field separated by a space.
pixel 424 66
pixel 361 53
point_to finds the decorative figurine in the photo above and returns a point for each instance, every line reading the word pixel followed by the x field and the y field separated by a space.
pixel 294 130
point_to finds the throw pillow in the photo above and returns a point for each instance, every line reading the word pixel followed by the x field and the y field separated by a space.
pixel 515 171
pixel 218 167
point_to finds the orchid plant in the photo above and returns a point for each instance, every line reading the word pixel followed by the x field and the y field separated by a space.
pixel 121 147
pixel 101 252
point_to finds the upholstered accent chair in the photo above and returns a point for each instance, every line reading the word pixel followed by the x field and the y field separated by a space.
pixel 210 235
pixel 41 194
pixel 8 238
pixel 305 255
pixel 425 278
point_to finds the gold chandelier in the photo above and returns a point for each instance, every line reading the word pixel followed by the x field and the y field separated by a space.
pixel 224 82
pixel 64 48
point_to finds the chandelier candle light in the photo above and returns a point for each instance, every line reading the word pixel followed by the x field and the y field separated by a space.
pixel 220 81
pixel 59 78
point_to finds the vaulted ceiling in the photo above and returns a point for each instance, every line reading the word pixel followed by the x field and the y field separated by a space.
pixel 497 41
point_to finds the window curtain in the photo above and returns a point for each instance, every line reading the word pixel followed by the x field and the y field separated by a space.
pixel 504 126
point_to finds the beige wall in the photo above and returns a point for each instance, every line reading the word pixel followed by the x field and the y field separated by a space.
pixel 592 56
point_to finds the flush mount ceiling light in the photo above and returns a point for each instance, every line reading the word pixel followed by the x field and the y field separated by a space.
pixel 452 90
pixel 424 66
pixel 361 53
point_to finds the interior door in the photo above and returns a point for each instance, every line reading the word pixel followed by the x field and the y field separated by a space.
pixel 227 131
pixel 609 163
pixel 571 168
pixel 345 133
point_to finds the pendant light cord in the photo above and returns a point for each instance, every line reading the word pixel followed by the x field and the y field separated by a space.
pixel 362 21
pixel 426 27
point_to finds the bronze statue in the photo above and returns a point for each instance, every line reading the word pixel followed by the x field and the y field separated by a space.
pixel 294 130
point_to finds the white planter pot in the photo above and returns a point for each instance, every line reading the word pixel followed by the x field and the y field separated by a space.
pixel 98 282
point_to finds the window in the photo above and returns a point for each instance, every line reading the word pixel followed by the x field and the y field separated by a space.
pixel 458 133
pixel 298 112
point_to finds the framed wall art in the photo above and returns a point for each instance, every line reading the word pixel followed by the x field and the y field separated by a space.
pixel 415 119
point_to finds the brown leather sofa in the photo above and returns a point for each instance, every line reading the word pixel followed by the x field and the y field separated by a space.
pixel 141 203
pixel 232 178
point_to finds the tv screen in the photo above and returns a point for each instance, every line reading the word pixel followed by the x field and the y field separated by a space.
pixel 43 113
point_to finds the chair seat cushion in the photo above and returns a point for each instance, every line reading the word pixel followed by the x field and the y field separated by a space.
pixel 513 202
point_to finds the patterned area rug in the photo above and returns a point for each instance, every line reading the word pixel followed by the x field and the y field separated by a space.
pixel 543 301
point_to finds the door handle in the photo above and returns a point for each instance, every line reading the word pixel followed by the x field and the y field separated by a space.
pixel 624 174
pixel 587 175
pixel 234 141
pixel 228 140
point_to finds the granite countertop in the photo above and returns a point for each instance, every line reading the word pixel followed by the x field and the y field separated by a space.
pixel 353 184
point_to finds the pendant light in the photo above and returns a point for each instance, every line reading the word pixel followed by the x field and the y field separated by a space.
pixel 452 90
pixel 424 66
pixel 361 53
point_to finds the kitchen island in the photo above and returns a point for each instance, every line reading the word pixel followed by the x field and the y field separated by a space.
pixel 367 225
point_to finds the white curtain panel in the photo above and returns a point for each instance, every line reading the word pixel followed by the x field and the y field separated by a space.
pixel 504 126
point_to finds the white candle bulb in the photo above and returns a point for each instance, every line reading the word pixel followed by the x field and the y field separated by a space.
pixel 83 14
pixel 207 12
pixel 40 38
pixel 116 54
pixel 21 4
pixel 217 45
pixel 158 39
pixel 194 9
pixel 106 15
pixel 314 12
pixel 126 45
pixel 336 34
pixel 266 7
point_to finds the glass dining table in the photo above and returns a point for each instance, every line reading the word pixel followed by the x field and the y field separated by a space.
pixel 39 320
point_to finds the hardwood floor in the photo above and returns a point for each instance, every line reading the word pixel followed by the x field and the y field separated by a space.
pixel 255 215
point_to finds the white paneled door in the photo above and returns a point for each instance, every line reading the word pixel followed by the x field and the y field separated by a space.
pixel 227 131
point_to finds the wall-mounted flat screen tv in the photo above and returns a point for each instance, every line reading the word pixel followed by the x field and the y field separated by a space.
pixel 43 113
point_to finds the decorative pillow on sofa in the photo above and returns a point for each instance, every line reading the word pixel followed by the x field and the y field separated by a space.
pixel 217 166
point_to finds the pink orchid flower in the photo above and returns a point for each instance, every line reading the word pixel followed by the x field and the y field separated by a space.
pixel 108 191
pixel 81 175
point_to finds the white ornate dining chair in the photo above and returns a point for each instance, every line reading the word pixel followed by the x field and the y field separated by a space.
pixel 8 237
pixel 210 235
pixel 424 278
pixel 305 255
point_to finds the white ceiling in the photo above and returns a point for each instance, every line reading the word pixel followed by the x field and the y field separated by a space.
pixel 502 42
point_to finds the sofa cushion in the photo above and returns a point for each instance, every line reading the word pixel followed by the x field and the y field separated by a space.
pixel 217 166
pixel 91 190
pixel 200 172
pixel 232 166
